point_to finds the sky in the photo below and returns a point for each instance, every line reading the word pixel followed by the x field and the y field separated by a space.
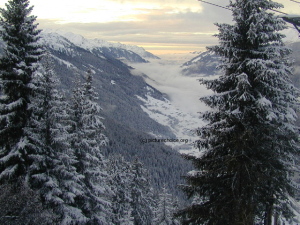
pixel 160 26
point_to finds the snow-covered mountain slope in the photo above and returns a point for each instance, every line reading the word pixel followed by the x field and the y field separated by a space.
pixel 203 64
pixel 129 53
pixel 182 124
pixel 127 124
pixel 114 82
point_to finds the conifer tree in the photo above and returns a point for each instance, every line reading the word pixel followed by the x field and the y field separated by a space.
pixel 142 201
pixel 87 140
pixel 120 181
pixel 17 66
pixel 242 175
pixel 53 172
pixel 166 209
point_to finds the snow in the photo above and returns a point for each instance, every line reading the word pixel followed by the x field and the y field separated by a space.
pixel 183 125
pixel 264 102
pixel 22 143
pixel 9 171
pixel 54 40
pixel 13 105
pixel 61 61
pixel 89 44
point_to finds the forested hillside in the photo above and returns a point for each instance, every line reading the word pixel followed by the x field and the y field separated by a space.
pixel 125 121
pixel 71 127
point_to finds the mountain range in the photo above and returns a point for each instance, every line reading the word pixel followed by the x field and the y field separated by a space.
pixel 128 53
pixel 134 111
pixel 205 63
pixel 124 99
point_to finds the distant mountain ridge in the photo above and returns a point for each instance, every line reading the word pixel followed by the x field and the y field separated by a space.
pixel 120 51
pixel 203 64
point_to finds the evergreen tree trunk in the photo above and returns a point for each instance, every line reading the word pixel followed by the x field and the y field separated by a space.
pixel 268 216
pixel 276 222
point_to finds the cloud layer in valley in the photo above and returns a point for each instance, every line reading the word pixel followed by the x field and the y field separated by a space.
pixel 184 92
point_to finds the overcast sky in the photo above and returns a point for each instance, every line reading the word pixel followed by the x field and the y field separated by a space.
pixel 160 26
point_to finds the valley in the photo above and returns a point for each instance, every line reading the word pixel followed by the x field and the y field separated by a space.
pixel 180 109
pixel 94 131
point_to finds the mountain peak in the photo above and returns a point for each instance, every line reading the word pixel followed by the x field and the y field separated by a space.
pixel 96 44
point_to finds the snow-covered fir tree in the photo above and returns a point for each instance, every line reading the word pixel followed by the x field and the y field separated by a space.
pixel 167 206
pixel 247 147
pixel 142 201
pixel 87 140
pixel 53 172
pixel 120 181
pixel 17 65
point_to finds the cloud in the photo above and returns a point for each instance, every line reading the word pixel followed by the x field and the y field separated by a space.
pixel 184 92
pixel 154 27
pixel 167 34
pixel 155 24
